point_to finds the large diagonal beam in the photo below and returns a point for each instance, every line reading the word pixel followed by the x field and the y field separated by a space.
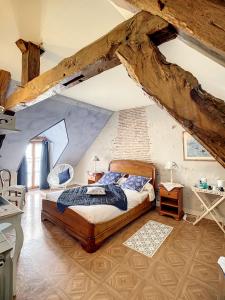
pixel 91 60
pixel 200 22
pixel 177 90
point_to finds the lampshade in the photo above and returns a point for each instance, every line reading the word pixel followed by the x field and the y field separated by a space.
pixel 95 158
pixel 170 165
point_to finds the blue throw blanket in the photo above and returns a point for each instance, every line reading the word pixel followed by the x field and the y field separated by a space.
pixel 114 196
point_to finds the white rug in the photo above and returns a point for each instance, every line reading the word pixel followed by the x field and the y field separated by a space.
pixel 149 238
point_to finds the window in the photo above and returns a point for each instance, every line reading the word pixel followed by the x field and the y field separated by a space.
pixel 33 157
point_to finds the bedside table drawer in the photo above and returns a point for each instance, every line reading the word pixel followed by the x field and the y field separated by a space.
pixel 172 194
pixel 94 177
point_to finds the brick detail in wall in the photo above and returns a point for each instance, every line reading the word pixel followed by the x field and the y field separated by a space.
pixel 132 140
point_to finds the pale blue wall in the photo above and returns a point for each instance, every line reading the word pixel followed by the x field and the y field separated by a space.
pixel 83 121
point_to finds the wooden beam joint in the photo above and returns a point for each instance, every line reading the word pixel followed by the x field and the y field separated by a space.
pixel 200 23
pixel 30 60
pixel 91 60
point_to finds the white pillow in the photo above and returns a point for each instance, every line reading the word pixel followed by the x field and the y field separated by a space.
pixel 121 180
pixel 147 187
pixel 95 190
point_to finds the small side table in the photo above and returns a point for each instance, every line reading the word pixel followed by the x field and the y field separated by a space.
pixel 94 177
pixel 210 207
pixel 171 202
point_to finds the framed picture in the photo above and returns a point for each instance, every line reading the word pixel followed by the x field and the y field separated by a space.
pixel 193 150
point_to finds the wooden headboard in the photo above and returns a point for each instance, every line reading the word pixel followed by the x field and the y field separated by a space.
pixel 134 167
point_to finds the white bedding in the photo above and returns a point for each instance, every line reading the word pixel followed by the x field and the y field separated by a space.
pixel 102 213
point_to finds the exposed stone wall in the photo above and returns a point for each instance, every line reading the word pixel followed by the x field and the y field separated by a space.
pixel 132 140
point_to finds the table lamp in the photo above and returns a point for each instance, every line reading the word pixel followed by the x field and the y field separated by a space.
pixel 95 159
pixel 171 165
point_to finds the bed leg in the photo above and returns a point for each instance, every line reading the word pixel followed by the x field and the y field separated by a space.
pixel 43 218
pixel 90 246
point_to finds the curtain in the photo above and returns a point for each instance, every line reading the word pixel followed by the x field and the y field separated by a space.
pixel 22 173
pixel 45 165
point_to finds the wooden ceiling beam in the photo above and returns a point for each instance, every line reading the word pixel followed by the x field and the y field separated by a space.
pixel 134 44
pixel 5 78
pixel 179 92
pixel 30 60
pixel 90 61
pixel 200 23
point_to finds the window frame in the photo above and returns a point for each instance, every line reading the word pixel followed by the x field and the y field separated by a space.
pixel 33 144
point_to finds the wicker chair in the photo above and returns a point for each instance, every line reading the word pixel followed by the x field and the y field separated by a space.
pixel 53 176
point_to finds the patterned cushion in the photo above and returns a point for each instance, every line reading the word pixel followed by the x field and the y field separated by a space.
pixel 110 178
pixel 136 183
pixel 95 190
pixel 64 176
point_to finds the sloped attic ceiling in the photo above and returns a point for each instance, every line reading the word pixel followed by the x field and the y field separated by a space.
pixel 83 121
pixel 64 27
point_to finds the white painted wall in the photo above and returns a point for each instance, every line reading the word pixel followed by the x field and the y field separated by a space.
pixel 166 144
pixel 112 89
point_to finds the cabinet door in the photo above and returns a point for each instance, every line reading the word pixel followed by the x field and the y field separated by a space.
pixel 6 278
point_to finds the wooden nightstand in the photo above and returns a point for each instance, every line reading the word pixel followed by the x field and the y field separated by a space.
pixel 94 177
pixel 171 203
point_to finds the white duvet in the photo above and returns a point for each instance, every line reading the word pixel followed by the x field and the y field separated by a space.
pixel 102 213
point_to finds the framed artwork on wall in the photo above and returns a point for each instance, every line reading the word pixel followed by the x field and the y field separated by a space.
pixel 192 150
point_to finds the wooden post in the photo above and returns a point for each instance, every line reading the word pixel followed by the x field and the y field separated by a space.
pixel 30 60
pixel 89 61
pixel 5 78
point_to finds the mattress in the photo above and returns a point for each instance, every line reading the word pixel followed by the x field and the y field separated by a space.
pixel 96 214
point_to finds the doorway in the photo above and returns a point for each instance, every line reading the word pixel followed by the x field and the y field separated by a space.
pixel 33 158
pixel 41 155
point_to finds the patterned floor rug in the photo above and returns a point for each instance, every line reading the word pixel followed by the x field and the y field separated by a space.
pixel 149 238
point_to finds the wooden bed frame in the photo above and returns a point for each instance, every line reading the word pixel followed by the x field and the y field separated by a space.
pixel 91 236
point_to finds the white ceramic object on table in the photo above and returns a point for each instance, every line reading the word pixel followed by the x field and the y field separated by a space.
pixel 221 183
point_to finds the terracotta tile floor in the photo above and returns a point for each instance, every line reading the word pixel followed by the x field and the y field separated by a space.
pixel 53 266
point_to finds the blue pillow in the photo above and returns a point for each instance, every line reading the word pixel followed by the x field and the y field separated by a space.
pixel 135 183
pixel 64 176
pixel 110 178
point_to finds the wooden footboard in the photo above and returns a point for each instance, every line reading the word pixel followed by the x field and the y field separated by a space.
pixel 91 236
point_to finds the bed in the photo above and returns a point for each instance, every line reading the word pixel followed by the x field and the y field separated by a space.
pixel 91 225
